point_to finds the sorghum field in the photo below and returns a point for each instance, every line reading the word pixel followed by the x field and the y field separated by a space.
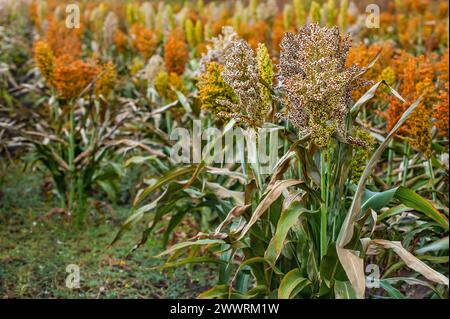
pixel 290 149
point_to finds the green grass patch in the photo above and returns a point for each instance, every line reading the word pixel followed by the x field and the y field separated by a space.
pixel 37 243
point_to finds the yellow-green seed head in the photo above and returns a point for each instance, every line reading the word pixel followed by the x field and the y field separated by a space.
pixel 190 32
pixel 198 32
pixel 388 75
pixel 170 16
pixel 212 87
pixel 343 15
pixel 314 13
pixel 265 72
pixel 288 16
pixel 253 7
pixel 132 14
pixel 360 155
pixel 331 13
pixel 201 7
pixel 299 12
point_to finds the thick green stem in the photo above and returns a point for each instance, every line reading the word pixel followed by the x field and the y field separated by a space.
pixel 390 160
pixel 168 117
pixel 430 169
pixel 405 162
pixel 81 202
pixel 324 207
pixel 71 160
pixel 300 171
pixel 258 170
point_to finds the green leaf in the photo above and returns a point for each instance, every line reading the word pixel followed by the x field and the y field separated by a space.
pixel 138 213
pixel 346 231
pixel 391 291
pixel 174 221
pixel 225 193
pixel 412 281
pixel 167 178
pixel 191 260
pixel 268 200
pixel 200 242
pixel 263 260
pixel 392 212
pixel 413 200
pixel 376 200
pixel 184 102
pixel 291 281
pixel 222 292
pixel 440 244
pixel 271 196
pixel 409 198
pixel 108 188
pixel 139 160
pixel 200 167
pixel 287 220
pixel 344 290
pixel 330 267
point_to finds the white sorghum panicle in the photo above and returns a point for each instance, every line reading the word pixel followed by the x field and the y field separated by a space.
pixel 152 68
pixel 317 84
pixel 109 28
pixel 216 51
pixel 241 73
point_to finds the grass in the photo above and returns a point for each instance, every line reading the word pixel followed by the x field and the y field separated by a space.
pixel 37 243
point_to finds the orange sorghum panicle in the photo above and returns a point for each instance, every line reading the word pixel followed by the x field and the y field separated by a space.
pixel 441 67
pixel 416 79
pixel 176 52
pixel 441 113
pixel 253 33
pixel 73 76
pixel 361 55
pixel 44 58
pixel 64 40
pixel 120 41
pixel 144 40
pixel 277 32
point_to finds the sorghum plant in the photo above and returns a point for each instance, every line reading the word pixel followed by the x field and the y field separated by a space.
pixel 304 231
pixel 76 133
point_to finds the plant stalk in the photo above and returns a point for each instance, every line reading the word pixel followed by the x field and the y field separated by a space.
pixel 430 168
pixel 324 206
pixel 390 160
pixel 406 149
pixel 71 160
